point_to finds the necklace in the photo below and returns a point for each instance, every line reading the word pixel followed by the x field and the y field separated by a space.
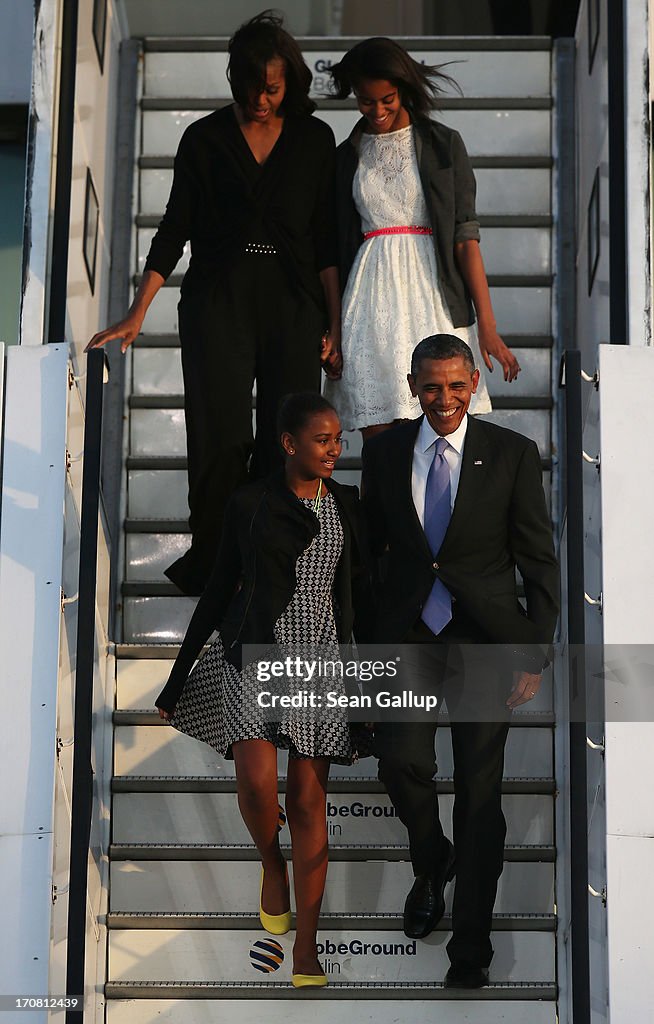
pixel 318 498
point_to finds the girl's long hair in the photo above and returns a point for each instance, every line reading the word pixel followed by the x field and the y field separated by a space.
pixel 382 59
pixel 252 46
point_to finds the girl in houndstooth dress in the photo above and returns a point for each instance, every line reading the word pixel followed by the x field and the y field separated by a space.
pixel 291 572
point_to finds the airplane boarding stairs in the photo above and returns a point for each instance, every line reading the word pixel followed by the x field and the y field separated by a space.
pixel 184 874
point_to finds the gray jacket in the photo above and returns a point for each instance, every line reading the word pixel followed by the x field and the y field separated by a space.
pixel 449 188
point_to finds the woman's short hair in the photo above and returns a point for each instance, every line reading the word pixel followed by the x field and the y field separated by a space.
pixel 296 410
pixel 252 47
pixel 383 59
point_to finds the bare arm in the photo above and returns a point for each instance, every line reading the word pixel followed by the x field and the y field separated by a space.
pixel 330 354
pixel 130 326
pixel 471 265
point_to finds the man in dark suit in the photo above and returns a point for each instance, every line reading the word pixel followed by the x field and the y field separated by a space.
pixel 454 504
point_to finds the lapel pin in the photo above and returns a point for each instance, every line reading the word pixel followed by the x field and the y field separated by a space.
pixel 478 462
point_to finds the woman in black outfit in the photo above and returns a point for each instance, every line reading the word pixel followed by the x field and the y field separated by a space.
pixel 252 190
pixel 290 571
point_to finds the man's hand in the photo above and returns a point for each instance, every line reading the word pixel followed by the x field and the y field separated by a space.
pixel 525 687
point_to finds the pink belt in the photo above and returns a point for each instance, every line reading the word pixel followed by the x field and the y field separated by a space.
pixel 400 230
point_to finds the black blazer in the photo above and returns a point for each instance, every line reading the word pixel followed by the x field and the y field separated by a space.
pixel 449 187
pixel 499 521
pixel 266 529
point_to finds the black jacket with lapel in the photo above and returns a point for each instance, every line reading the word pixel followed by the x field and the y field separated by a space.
pixel 266 530
pixel 499 522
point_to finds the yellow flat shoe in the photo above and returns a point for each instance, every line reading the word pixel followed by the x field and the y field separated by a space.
pixel 274 924
pixel 309 980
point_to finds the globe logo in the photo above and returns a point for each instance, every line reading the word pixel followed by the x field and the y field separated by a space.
pixel 266 955
pixel 282 818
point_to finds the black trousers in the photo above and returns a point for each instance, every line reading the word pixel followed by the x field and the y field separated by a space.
pixel 474 688
pixel 248 325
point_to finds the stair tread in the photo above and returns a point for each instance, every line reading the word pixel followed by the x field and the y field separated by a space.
pixel 471 102
pixel 527 785
pixel 512 340
pixel 494 280
pixel 508 161
pixel 343 990
pixel 207 918
pixel 218 44
pixel 355 851
pixel 176 401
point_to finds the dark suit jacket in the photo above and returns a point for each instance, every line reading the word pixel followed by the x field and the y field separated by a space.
pixel 266 529
pixel 499 521
pixel 449 188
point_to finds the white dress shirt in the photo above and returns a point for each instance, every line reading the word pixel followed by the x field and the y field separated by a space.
pixel 423 456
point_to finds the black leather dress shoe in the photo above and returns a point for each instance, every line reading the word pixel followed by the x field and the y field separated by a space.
pixel 466 976
pixel 425 904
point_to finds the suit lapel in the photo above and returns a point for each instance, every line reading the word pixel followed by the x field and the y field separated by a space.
pixel 474 467
pixel 403 474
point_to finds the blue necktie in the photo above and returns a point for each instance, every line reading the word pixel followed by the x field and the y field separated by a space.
pixel 437 610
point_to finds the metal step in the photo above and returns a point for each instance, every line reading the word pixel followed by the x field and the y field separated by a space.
pixel 161 463
pixel 527 311
pixel 151 220
pixel 324 103
pixel 196 784
pixel 499 402
pixel 159 430
pixel 156 526
pixel 520 188
pixel 512 340
pixel 354 817
pixel 161 751
pixel 510 131
pixel 516 250
pixel 169 1009
pixel 513 281
pixel 508 161
pixel 124 990
pixel 360 958
pixel 359 887
pixel 158 371
pixel 469 44
pixel 389 922
pixel 541 852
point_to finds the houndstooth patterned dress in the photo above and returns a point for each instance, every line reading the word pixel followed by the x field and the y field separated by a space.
pixel 218 703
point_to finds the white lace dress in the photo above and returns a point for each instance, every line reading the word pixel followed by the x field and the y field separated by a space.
pixel 392 299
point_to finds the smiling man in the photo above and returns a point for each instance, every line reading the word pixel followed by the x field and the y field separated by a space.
pixel 455 504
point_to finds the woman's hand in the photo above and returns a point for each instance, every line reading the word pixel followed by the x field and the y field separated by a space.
pixel 331 357
pixel 130 326
pixel 490 344
pixel 127 329
pixel 166 715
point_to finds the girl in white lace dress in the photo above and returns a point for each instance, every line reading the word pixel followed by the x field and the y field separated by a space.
pixel 408 239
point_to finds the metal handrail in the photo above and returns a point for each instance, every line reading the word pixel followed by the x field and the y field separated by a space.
pixel 82 782
pixel 573 495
